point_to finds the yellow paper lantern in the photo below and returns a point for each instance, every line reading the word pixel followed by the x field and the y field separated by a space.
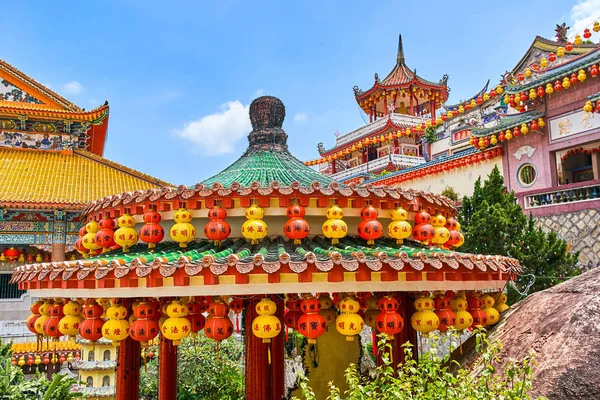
pixel 182 232
pixel 399 228
pixel 527 72
pixel 524 129
pixel 442 234
pixel 560 52
pixel 500 304
pixel 21 361
pixel 532 94
pixel 494 140
pixel 488 307
pixel 176 326
pixel 499 90
pixel 126 236
pixel 577 41
pixel 566 83
pixel 117 327
pixel 424 320
pixel 44 316
pixel 88 241
pixel 254 228
pixel 334 228
pixel 327 311
pixel 266 326
pixel 549 88
pixel 581 75
pixel 69 324
pixel 459 305
pixel 461 109
pixel 543 62
pixel 541 122
pixel 349 323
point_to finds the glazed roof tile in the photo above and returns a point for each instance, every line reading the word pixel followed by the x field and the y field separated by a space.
pixel 264 167
pixel 44 178
pixel 552 74
pixel 267 255
pixel 104 391
pixel 507 123
pixel 594 97
pixel 94 365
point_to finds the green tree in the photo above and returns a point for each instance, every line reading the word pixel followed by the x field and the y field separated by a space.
pixel 13 386
pixel 435 377
pixel 494 223
pixel 204 372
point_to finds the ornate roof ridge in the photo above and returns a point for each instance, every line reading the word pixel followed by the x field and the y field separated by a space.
pixel 508 122
pixel 275 188
pixel 122 168
pixel 38 86
pixel 480 93
pixel 42 110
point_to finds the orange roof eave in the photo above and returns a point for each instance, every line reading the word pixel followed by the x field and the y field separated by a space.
pixel 379 86
pixel 38 110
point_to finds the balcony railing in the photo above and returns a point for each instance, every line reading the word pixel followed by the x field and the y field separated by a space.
pixel 563 194
pixel 374 165
pixel 398 119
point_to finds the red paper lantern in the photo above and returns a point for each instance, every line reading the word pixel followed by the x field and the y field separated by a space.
pixel 474 308
pixel 541 92
pixel 46 360
pixel 558 86
pixel 197 320
pixel 219 326
pixel 311 324
pixel 296 227
pixel 293 313
pixel 152 232
pixel 217 229
pixel 569 46
pixel 369 228
pixel 534 125
pixel 105 235
pixel 51 325
pixel 594 71
pixel 493 93
pixel 144 328
pixel 551 57
pixel 35 314
pixel 12 254
pixel 422 217
pixel 574 79
pixel 586 33
pixel 389 321
pixel 443 311
pixel 30 360
pixel 520 77
pixel 479 100
pixel 91 327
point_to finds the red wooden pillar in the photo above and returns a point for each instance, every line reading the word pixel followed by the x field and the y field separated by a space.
pixel 432 107
pixel 408 334
pixel 167 370
pixel 128 370
pixel 333 167
pixel 263 381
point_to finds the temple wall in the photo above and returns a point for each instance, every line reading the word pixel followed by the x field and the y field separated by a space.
pixel 461 179
pixel 580 229
pixel 13 313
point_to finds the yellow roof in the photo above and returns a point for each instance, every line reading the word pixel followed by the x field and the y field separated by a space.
pixel 44 179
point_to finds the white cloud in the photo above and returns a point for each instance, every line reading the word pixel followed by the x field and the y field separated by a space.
pixel 218 133
pixel 259 93
pixel 72 87
pixel 300 117
pixel 583 15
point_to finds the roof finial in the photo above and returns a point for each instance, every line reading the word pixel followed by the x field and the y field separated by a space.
pixel 400 59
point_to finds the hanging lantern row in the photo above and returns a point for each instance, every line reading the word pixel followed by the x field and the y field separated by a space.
pixel 517 101
pixel 553 57
pixel 508 134
pixel 13 255
pixel 579 150
pixel 590 106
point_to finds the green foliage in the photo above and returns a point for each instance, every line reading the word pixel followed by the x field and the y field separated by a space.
pixel 430 135
pixel 436 377
pixel 13 386
pixel 494 223
pixel 203 371
pixel 450 193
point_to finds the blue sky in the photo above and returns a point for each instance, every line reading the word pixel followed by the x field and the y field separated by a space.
pixel 178 75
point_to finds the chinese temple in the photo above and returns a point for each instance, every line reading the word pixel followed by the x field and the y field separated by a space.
pixel 265 235
pixel 51 166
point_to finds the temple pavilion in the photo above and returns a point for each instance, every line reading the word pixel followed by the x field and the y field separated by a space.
pixel 51 167
pixel 265 235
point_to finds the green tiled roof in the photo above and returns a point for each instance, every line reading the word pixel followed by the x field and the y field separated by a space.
pixel 551 75
pixel 267 158
pixel 265 166
pixel 507 123
pixel 594 97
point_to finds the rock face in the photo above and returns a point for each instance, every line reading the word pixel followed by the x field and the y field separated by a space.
pixel 562 325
